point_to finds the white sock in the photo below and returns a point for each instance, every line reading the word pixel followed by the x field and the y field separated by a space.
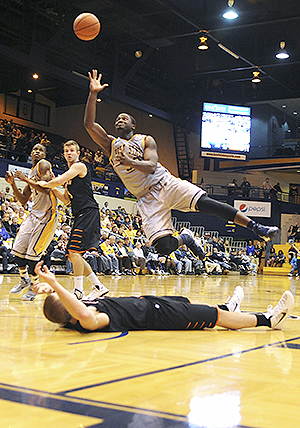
pixel 94 280
pixel 78 282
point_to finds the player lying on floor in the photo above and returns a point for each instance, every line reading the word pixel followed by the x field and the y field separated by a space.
pixel 150 312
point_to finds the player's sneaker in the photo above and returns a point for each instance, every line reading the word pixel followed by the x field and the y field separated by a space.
pixel 234 303
pixel 265 232
pixel 279 313
pixel 29 295
pixel 24 282
pixel 99 290
pixel 78 293
pixel 192 244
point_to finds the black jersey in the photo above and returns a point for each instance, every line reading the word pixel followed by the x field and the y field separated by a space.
pixel 152 313
pixel 81 193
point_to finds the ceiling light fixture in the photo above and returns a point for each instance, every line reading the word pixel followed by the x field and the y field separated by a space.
pixel 256 78
pixel 282 53
pixel 203 46
pixel 230 13
pixel 138 54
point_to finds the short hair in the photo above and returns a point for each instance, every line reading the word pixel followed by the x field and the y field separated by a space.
pixel 42 145
pixel 133 121
pixel 55 311
pixel 72 143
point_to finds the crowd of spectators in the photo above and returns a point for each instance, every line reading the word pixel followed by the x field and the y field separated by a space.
pixel 123 248
pixel 16 143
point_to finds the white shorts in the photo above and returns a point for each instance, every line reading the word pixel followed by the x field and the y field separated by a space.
pixel 34 236
pixel 170 193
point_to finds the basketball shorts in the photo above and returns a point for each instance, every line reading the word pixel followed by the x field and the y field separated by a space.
pixel 85 233
pixel 34 236
pixel 177 313
pixel 170 193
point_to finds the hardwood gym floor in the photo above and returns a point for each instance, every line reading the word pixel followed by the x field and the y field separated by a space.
pixel 51 377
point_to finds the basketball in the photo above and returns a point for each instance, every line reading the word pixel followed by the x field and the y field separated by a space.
pixel 86 26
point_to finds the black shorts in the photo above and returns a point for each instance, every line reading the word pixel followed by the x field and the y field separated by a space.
pixel 85 233
pixel 177 313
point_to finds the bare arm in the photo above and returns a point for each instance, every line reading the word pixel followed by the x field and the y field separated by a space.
pixel 62 196
pixel 45 174
pixel 148 164
pixel 97 133
pixel 21 196
pixel 77 168
pixel 89 319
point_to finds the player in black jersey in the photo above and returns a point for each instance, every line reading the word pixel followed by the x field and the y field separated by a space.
pixel 151 312
pixel 85 233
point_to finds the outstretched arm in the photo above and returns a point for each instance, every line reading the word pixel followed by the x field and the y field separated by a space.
pixel 89 319
pixel 97 133
pixel 77 168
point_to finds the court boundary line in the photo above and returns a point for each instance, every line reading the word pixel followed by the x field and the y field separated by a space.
pixel 180 366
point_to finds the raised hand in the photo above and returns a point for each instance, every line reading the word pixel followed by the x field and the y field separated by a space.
pixel 20 175
pixel 44 273
pixel 9 177
pixel 95 82
pixel 42 288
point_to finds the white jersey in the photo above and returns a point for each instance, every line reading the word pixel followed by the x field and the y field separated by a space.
pixel 138 183
pixel 42 202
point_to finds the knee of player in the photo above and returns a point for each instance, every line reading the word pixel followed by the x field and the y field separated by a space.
pixel 166 245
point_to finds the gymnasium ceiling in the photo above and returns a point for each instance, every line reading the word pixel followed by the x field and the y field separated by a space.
pixel 172 78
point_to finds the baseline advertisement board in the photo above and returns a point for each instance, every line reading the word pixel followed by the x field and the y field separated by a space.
pixel 254 208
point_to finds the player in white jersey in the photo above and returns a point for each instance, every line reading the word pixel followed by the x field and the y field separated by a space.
pixel 134 158
pixel 37 231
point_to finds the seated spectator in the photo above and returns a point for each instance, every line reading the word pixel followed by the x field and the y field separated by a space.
pixel 4 251
pixel 152 259
pixel 105 207
pixel 66 229
pixel 6 223
pixel 272 257
pixel 139 237
pixel 250 265
pixel 127 221
pixel 294 266
pixel 129 248
pixel 130 232
pixel 119 220
pixel 139 257
pixel 137 222
pixel 173 264
pixel 211 266
pixel 91 258
pixel 125 266
pixel 220 258
pixel 236 260
pixel 280 259
pixel 15 227
pixel 109 253
pixel 60 250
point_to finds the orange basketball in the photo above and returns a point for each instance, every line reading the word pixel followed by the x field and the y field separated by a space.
pixel 86 26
